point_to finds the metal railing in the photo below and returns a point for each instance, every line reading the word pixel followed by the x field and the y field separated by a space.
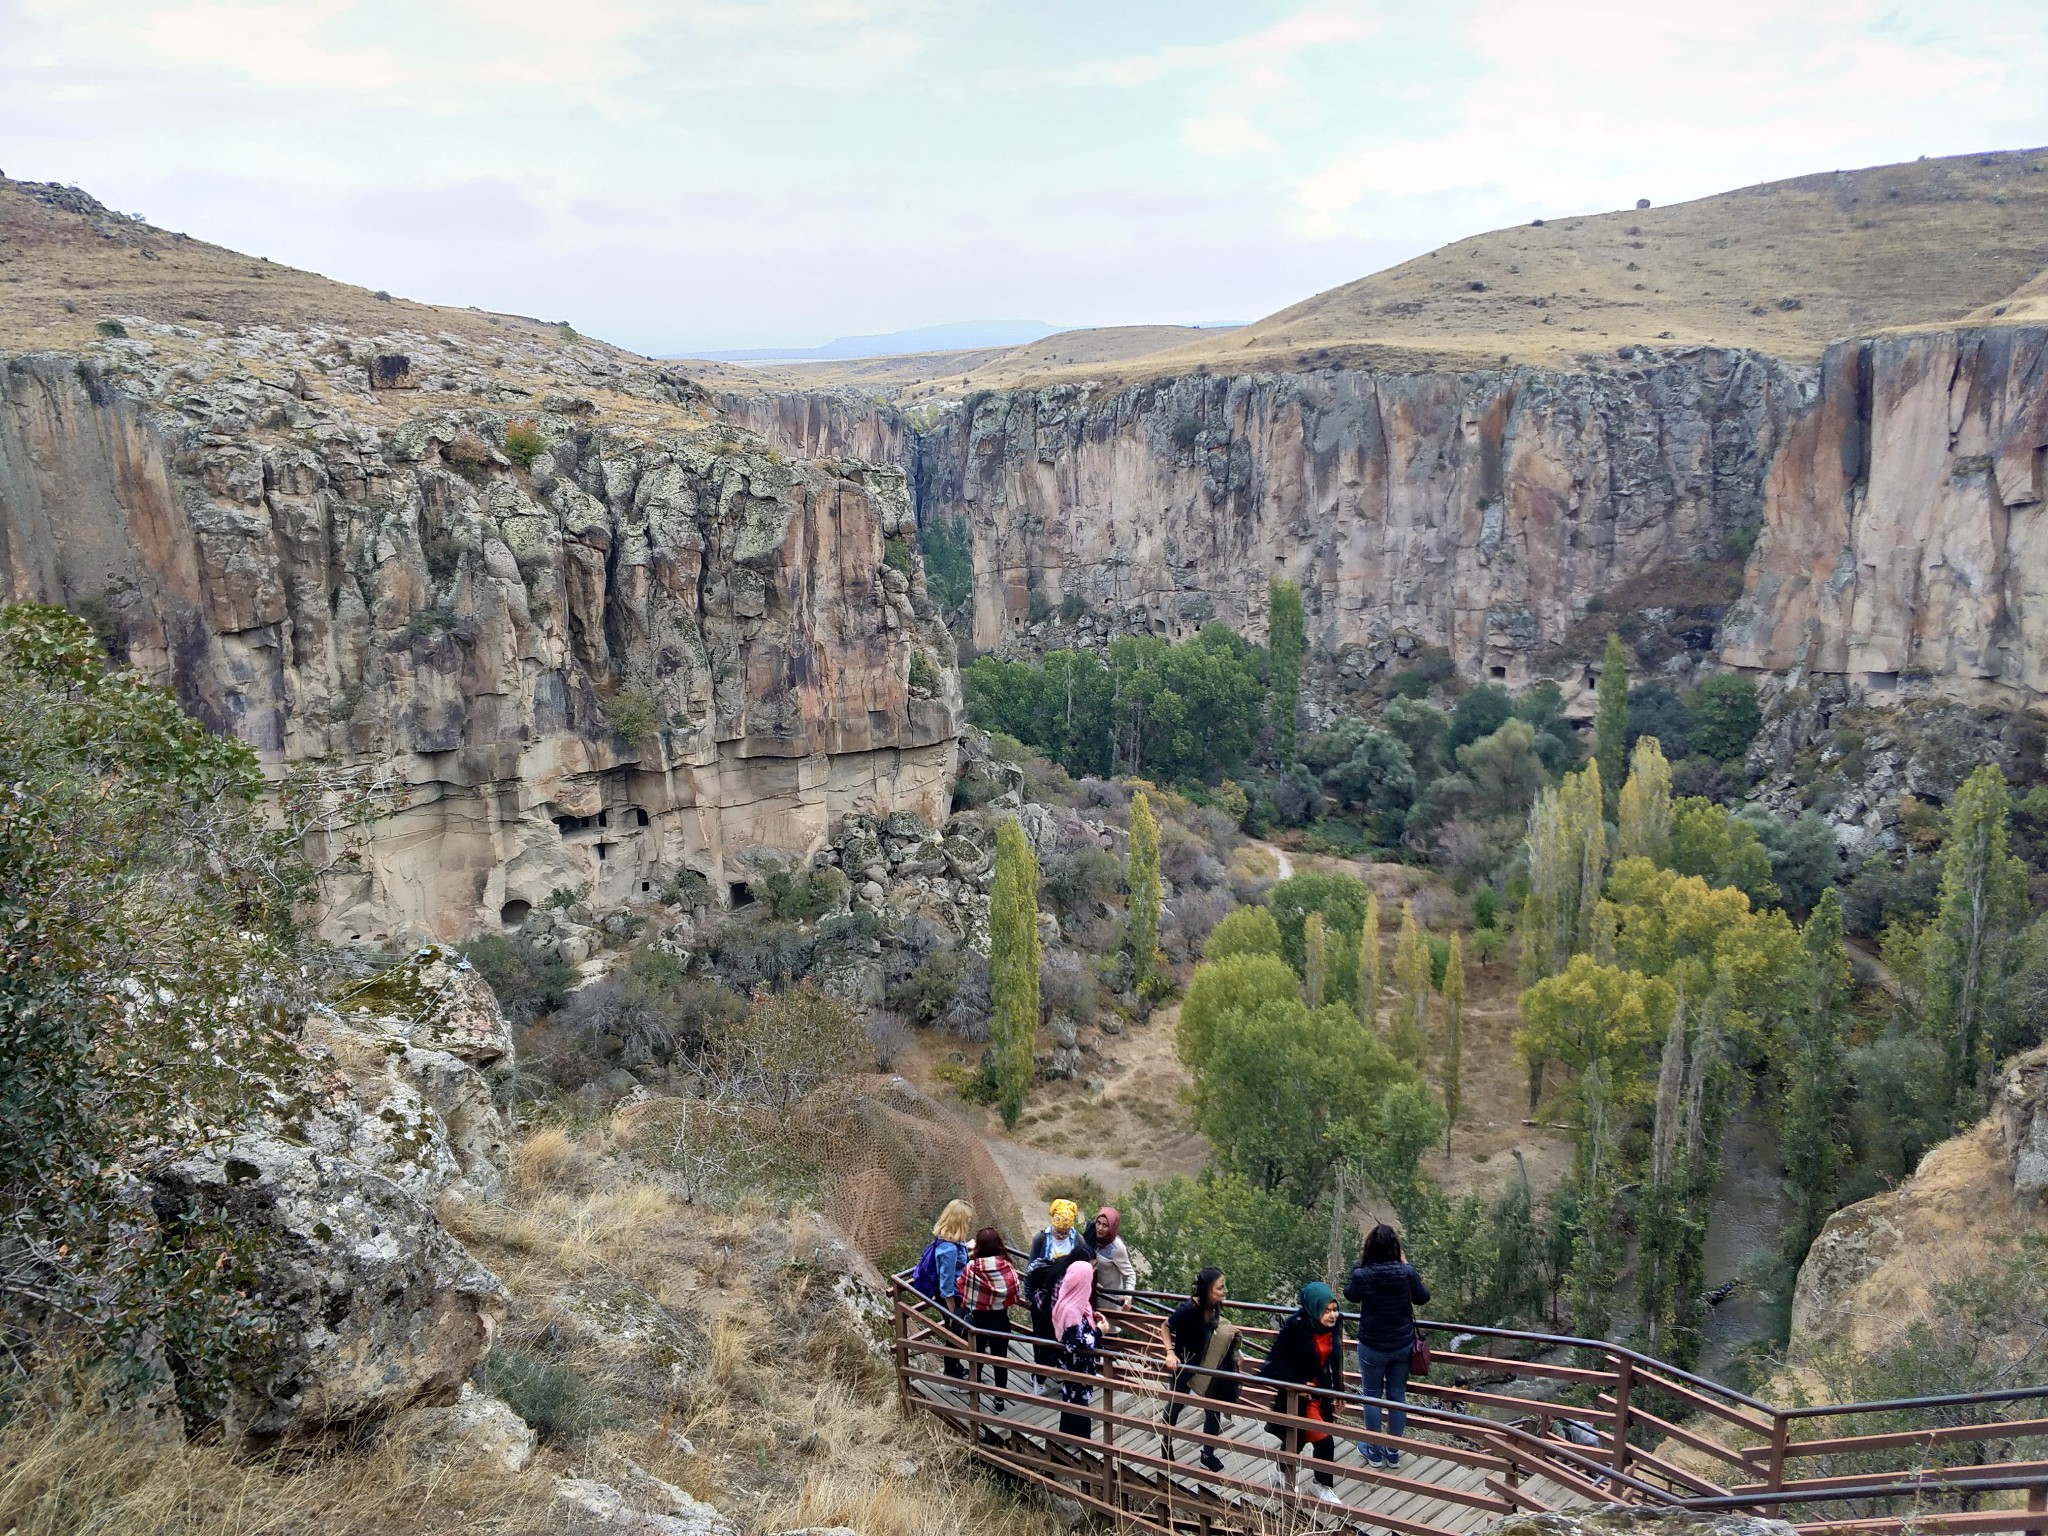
pixel 1526 1421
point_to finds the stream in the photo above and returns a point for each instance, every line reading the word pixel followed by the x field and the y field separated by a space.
pixel 1750 1210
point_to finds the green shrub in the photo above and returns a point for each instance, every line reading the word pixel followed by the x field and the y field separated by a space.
pixel 443 554
pixel 633 714
pixel 1725 716
pixel 923 675
pixel 927 993
pixel 546 1394
pixel 688 889
pixel 796 897
pixel 527 982
pixel 1074 882
pixel 430 621
pixel 523 444
pixel 896 555
pixel 111 329
pixel 948 561
pixel 563 897
pixel 1485 908
pixel 1072 606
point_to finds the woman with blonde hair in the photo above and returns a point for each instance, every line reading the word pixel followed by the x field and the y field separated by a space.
pixel 937 1275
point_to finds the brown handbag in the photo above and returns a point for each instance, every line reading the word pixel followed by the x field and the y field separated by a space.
pixel 1418 1355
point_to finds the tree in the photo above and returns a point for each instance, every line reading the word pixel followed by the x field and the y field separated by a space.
pixel 1645 808
pixel 1409 1034
pixel 1598 1015
pixel 791 1043
pixel 1720 848
pixel 1454 1038
pixel 1423 729
pixel 1610 718
pixel 1504 769
pixel 147 990
pixel 1142 879
pixel 1368 994
pixel 1983 903
pixel 1246 931
pixel 1479 713
pixel 1725 716
pixel 1285 642
pixel 1236 984
pixel 1013 967
pixel 1816 1077
pixel 1315 959
pixel 1567 866
pixel 1804 856
pixel 1264 1242
pixel 1341 900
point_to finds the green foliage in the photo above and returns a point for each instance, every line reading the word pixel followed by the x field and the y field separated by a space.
pixel 1423 729
pixel 1485 908
pixel 1013 967
pixel 948 547
pixel 1592 1014
pixel 547 1394
pixel 1567 848
pixel 523 444
pixel 1721 849
pixel 1805 858
pixel 111 329
pixel 896 555
pixel 1230 985
pixel 563 897
pixel 1315 960
pixel 527 982
pixel 1141 931
pixel 1655 710
pixel 1983 904
pixel 1264 1244
pixel 1287 639
pixel 146 904
pixel 788 1044
pixel 924 677
pixel 1610 719
pixel 1340 899
pixel 1480 713
pixel 1453 985
pixel 634 714
pixel 1362 769
pixel 1075 881
pixel 1384 1145
pixel 431 621
pixel 1725 716
pixel 926 995
pixel 1366 993
pixel 1813 1128
pixel 1896 1116
pixel 1408 1028
pixel 797 896
pixel 1245 931
pixel 1644 829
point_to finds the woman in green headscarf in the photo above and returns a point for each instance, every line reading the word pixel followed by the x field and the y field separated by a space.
pixel 1305 1363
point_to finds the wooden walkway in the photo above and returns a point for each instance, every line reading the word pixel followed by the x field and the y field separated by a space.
pixel 1513 1429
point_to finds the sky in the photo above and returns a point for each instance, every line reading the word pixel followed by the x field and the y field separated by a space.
pixel 680 175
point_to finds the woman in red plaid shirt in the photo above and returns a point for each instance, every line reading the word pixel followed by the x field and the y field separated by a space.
pixel 988 1289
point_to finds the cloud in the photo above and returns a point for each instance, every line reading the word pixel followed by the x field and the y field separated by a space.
pixel 1223 133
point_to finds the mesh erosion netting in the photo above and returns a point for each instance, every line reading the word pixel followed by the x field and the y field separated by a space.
pixel 880 1158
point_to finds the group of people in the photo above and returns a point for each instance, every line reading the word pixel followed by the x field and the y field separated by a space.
pixel 1073 1270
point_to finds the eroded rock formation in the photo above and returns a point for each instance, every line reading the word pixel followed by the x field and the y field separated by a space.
pixel 651 644
pixel 1904 538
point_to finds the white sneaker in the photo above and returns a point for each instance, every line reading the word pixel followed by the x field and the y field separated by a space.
pixel 1279 1480
pixel 1327 1495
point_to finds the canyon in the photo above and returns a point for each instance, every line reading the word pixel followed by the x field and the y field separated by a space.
pixel 683 631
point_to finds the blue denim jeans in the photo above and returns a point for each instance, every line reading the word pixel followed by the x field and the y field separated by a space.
pixel 1383 1373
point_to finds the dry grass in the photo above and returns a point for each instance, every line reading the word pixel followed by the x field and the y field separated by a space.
pixel 72 1474
pixel 893 1500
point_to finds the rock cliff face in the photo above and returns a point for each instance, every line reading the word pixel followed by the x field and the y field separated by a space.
pixel 1904 539
pixel 1478 511
pixel 651 645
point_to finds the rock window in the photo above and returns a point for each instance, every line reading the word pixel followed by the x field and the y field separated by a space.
pixel 1498 672
pixel 567 824
pixel 602 850
pixel 639 817
pixel 513 913
pixel 603 819
pixel 646 886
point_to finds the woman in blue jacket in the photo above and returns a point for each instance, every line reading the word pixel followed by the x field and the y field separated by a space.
pixel 1386 1289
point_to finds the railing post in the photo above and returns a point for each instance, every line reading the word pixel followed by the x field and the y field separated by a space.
pixel 2037 1504
pixel 902 1348
pixel 1624 1380
pixel 1774 1472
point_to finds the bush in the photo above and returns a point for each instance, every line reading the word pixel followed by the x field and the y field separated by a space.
pixel 796 897
pixel 948 561
pixel 549 1396
pixel 1067 985
pixel 111 329
pixel 749 955
pixel 523 444
pixel 790 1044
pixel 926 995
pixel 924 677
pixel 888 1037
pixel 1075 881
pixel 1072 607
pixel 1725 716
pixel 896 555
pixel 1485 908
pixel 526 982
pixel 654 1009
pixel 633 714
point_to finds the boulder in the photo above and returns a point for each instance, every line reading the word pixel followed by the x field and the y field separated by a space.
pixel 476 1427
pixel 652 1508
pixel 380 1308
pixel 2019 1112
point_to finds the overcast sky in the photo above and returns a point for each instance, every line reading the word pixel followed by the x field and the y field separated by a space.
pixel 684 174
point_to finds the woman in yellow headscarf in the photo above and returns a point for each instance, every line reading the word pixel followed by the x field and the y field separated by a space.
pixel 1051 1251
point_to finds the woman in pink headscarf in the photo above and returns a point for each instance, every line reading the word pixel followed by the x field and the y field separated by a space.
pixel 1078 1327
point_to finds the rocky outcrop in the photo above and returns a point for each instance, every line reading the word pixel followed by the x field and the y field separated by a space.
pixel 1903 539
pixel 1478 511
pixel 1875 1265
pixel 647 645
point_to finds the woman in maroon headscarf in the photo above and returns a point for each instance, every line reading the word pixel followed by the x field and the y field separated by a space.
pixel 1115 1276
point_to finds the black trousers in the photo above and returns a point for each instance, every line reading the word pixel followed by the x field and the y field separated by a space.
pixel 1045 1351
pixel 957 1326
pixel 1324 1449
pixel 992 1337
pixel 1212 1418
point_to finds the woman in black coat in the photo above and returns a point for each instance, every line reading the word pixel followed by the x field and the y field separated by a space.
pixel 1387 1290
pixel 1308 1352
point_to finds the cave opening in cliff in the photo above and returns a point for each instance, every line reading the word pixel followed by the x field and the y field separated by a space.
pixel 639 817
pixel 514 913
pixel 603 851
pixel 741 893
pixel 1497 673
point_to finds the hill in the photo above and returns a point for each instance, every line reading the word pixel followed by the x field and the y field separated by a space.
pixel 1784 267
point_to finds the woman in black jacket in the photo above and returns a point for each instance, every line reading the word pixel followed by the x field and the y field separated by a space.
pixel 1387 1291
pixel 1200 1344
pixel 1308 1351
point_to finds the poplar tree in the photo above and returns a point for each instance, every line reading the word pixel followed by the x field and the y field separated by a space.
pixel 1454 1038
pixel 1285 641
pixel 1816 1079
pixel 1315 960
pixel 1644 816
pixel 1141 875
pixel 1610 719
pixel 1983 902
pixel 1369 964
pixel 1013 967
pixel 1567 868
pixel 1409 1036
